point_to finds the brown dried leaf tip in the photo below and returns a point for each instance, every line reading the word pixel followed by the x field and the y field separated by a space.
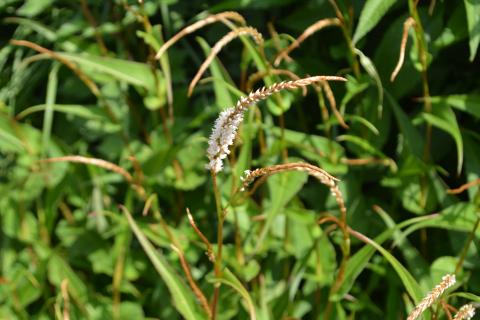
pixel 410 22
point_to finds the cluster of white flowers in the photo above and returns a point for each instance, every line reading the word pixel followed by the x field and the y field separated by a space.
pixel 245 176
pixel 466 312
pixel 222 137
pixel 245 179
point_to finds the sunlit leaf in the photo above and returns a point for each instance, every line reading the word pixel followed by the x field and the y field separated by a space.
pixel 472 7
pixel 444 118
pixel 372 12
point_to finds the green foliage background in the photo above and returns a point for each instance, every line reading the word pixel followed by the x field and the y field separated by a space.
pixel 97 92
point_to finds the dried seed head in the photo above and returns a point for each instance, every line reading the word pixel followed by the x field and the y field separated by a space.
pixel 447 281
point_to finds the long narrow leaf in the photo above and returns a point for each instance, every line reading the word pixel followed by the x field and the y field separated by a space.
pixel 183 299
pixel 50 101
pixel 230 280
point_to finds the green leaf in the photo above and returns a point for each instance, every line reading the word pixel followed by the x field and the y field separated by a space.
pixel 222 94
pixel 50 101
pixel 362 143
pixel 472 8
pixel 283 187
pixel 23 284
pixel 130 310
pixel 469 103
pixel 413 288
pixel 458 217
pixel 413 259
pixel 59 270
pixel 230 280
pixel 31 8
pixel 9 142
pixel 131 72
pixel 466 295
pixel 472 164
pixel 41 29
pixel 370 126
pixel 82 111
pixel 324 151
pixel 444 118
pixel 411 194
pixel 182 297
pixel 368 65
pixel 359 261
pixel 413 139
pixel 155 40
pixel 371 14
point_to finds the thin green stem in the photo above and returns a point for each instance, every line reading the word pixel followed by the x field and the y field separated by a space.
pixel 346 30
pixel 471 236
pixel 218 257
pixel 341 269
pixel 423 55
pixel 342 223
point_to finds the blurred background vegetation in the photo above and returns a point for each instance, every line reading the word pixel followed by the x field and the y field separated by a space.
pixel 80 79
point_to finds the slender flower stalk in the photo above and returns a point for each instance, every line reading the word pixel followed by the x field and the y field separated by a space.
pixel 218 258
pixel 307 33
pixel 226 125
pixel 447 281
pixel 193 285
pixel 222 16
pixel 210 254
pixel 223 135
pixel 260 74
pixel 465 313
pixel 257 36
pixel 102 164
pixel 323 176
pixel 320 174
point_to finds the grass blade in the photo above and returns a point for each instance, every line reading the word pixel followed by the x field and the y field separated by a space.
pixel 229 279
pixel 50 101
pixel 444 118
pixel 371 14
pixel 472 9
pixel 183 299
